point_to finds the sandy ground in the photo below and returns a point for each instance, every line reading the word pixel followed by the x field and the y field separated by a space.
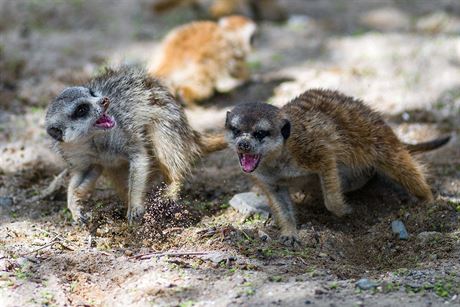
pixel 403 60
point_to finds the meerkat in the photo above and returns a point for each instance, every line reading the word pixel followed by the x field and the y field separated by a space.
pixel 123 124
pixel 254 9
pixel 201 57
pixel 326 135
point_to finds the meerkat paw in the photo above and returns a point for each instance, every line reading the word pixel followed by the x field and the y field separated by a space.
pixel 135 214
pixel 339 209
pixel 290 239
pixel 81 219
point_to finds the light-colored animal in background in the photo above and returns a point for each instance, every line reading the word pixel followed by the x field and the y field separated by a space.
pixel 325 135
pixel 198 58
pixel 124 124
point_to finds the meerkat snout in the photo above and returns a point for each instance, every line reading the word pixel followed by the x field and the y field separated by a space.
pixel 55 133
pixel 244 146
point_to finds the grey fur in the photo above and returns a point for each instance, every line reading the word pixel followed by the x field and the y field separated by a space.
pixel 150 130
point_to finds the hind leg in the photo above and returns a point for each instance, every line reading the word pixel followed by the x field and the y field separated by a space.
pixel 402 168
pixel 331 187
pixel 80 187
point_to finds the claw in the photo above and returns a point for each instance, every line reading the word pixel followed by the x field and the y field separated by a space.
pixel 135 215
pixel 80 219
pixel 290 240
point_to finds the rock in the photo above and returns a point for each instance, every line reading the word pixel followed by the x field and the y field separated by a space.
pixel 398 228
pixel 438 22
pixel 6 201
pixel 428 236
pixel 365 284
pixel 320 291
pixel 218 257
pixel 250 203
pixel 386 19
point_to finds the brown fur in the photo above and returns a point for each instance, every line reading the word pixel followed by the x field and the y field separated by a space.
pixel 326 134
pixel 198 58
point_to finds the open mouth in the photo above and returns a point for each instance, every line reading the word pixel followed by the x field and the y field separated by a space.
pixel 249 162
pixel 105 122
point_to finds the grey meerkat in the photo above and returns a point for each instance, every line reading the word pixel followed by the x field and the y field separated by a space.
pixel 325 136
pixel 124 124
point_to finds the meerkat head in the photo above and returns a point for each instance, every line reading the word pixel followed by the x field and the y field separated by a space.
pixel 257 132
pixel 241 30
pixel 76 114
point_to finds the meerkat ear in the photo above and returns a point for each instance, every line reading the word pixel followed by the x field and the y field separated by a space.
pixel 286 129
pixel 227 118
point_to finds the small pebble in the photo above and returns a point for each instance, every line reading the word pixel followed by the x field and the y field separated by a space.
pixel 319 291
pixel 128 253
pixel 365 284
pixel 6 201
pixel 398 228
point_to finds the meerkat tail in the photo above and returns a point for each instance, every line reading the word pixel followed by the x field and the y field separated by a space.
pixel 401 167
pixel 210 143
pixel 427 146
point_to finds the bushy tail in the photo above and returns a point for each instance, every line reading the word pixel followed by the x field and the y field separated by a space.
pixel 427 146
pixel 212 142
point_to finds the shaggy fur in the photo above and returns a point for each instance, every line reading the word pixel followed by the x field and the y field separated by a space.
pixel 324 134
pixel 150 131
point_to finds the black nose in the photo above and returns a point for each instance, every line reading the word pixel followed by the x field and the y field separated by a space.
pixel 244 146
pixel 55 133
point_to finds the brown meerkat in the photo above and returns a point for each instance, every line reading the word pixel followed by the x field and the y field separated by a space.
pixel 124 124
pixel 325 134
pixel 202 57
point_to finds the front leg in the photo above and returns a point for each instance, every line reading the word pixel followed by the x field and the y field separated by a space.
pixel 283 211
pixel 81 184
pixel 331 187
pixel 139 168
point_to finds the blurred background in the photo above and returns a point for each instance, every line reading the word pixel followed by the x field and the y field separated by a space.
pixel 401 57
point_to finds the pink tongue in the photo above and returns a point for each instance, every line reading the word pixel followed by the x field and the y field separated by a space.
pixel 249 162
pixel 105 121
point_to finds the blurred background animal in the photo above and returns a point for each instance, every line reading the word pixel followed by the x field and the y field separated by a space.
pixel 254 9
pixel 199 58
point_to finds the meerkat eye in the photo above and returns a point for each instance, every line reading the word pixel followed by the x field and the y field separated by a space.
pixel 261 134
pixel 91 92
pixel 235 131
pixel 80 111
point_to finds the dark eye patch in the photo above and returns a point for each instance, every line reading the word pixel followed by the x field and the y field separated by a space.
pixel 235 131
pixel 261 134
pixel 91 92
pixel 80 111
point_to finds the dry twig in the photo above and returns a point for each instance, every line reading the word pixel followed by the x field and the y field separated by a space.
pixel 171 254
